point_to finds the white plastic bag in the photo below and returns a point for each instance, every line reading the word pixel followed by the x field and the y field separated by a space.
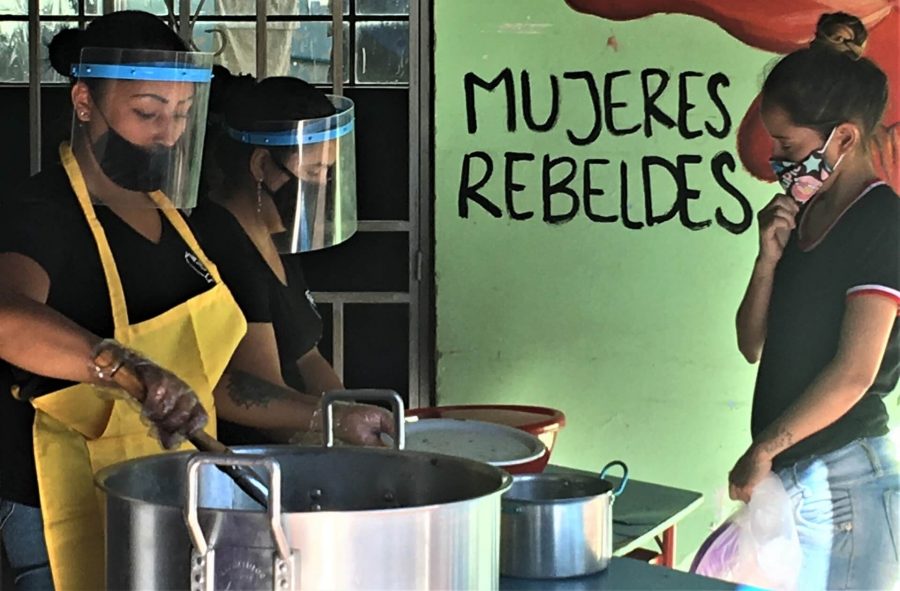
pixel 758 544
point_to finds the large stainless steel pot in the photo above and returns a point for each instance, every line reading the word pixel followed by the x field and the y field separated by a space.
pixel 556 525
pixel 339 518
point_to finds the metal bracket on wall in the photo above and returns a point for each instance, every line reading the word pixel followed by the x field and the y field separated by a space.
pixel 220 37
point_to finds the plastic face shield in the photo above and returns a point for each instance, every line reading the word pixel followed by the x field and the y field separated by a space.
pixel 316 205
pixel 147 122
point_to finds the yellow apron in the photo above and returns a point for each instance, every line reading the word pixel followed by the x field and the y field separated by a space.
pixel 77 432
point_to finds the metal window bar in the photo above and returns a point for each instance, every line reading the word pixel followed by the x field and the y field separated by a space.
pixel 272 18
pixel 183 22
pixel 338 300
pixel 262 44
pixel 361 297
pixel 337 339
pixel 34 89
pixel 384 226
pixel 421 327
pixel 337 47
pixel 350 19
pixel 82 18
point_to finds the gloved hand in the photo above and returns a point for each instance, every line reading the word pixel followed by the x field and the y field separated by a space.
pixel 362 424
pixel 167 402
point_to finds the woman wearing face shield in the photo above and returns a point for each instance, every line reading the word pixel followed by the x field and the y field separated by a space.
pixel 279 183
pixel 101 277
pixel 819 315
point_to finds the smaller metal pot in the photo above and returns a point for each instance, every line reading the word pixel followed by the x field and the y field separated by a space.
pixel 556 526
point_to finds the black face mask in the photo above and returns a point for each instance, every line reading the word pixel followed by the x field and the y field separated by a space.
pixel 287 198
pixel 131 166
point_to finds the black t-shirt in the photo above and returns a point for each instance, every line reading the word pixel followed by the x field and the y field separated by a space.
pixel 861 253
pixel 42 220
pixel 262 298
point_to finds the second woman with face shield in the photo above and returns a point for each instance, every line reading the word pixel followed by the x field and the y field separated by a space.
pixel 280 180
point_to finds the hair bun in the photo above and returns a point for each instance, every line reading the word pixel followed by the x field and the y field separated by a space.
pixel 228 89
pixel 64 50
pixel 841 32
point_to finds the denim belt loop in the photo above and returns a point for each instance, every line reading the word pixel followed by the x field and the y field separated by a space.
pixel 796 481
pixel 872 455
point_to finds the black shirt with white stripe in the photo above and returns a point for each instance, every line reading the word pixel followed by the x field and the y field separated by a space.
pixel 858 256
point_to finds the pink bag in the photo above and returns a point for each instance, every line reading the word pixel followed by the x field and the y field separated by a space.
pixel 757 545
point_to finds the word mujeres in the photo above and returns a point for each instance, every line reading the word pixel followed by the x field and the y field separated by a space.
pixel 570 186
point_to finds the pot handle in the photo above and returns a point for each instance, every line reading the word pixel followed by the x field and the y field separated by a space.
pixel 273 468
pixel 622 482
pixel 371 394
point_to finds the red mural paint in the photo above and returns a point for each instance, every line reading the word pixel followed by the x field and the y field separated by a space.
pixel 782 27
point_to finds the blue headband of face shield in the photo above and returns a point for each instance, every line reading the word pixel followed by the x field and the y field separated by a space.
pixel 160 72
pixel 293 137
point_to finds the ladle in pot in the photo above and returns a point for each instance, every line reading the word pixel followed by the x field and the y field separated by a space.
pixel 245 478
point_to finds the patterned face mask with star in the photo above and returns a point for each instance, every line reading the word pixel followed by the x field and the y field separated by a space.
pixel 802 180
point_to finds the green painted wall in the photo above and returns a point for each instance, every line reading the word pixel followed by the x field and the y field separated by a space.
pixel 630 332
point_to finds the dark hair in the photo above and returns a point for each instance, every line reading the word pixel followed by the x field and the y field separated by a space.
pixel 830 82
pixel 240 103
pixel 126 29
pixel 280 98
pixel 227 89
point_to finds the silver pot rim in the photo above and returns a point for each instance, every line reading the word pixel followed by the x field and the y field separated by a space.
pixel 505 479
pixel 562 500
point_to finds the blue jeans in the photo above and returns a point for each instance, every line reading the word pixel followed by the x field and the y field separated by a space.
pixel 23 540
pixel 847 511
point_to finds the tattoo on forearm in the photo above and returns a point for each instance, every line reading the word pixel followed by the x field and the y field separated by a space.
pixel 249 391
pixel 780 441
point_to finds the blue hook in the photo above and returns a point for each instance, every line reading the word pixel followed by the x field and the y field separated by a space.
pixel 624 480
